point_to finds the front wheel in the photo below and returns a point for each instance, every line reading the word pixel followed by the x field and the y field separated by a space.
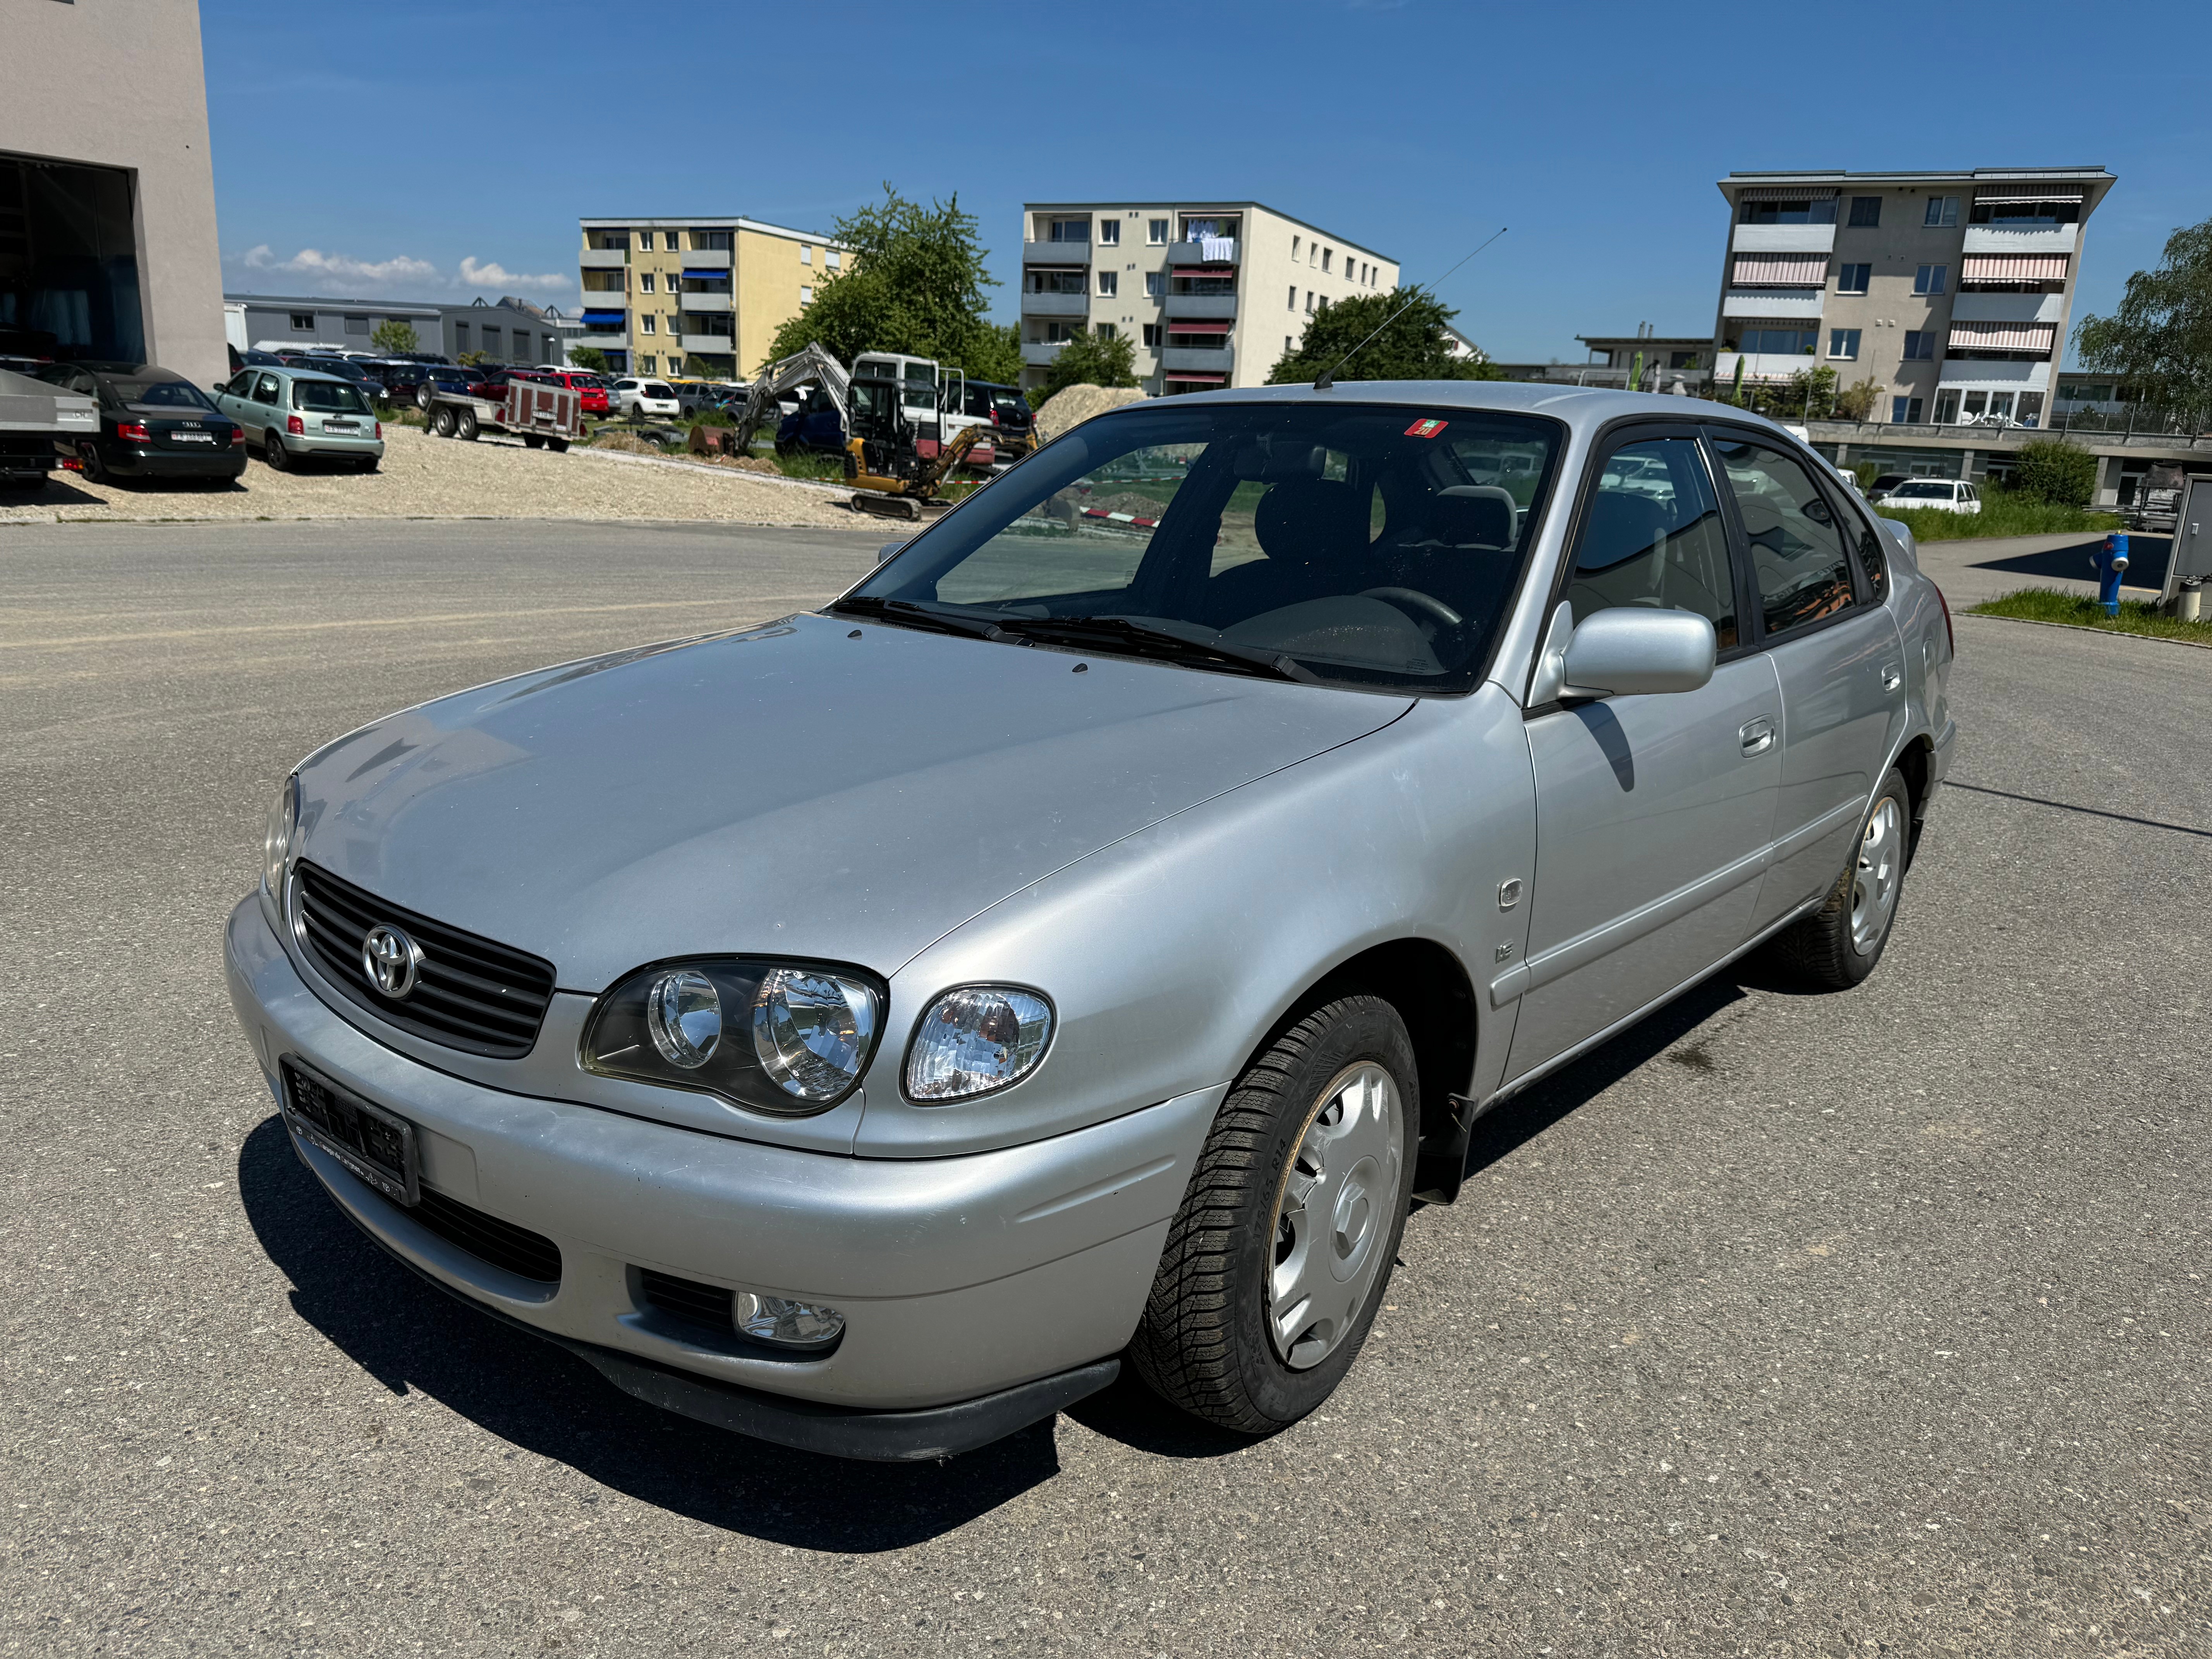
pixel 1277 1261
pixel 1839 944
pixel 465 425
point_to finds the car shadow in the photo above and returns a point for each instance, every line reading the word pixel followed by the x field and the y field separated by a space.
pixel 52 493
pixel 2147 558
pixel 535 1395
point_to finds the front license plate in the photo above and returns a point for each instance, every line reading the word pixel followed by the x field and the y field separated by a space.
pixel 372 1143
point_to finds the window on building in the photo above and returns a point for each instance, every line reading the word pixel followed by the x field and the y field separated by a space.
pixel 1931 279
pixel 1071 230
pixel 806 293
pixel 1904 411
pixel 833 258
pixel 491 340
pixel 1152 336
pixel 1778 342
pixel 1156 233
pixel 1803 210
pixel 1946 408
pixel 1110 232
pixel 1853 279
pixel 644 282
pixel 1286 343
pixel 1919 345
pixel 1156 283
pixel 1942 212
pixel 805 253
pixel 303 322
pixel 646 365
pixel 1294 297
pixel 356 324
pixel 2025 215
pixel 712 240
pixel 645 241
pixel 1844 343
pixel 1327 255
pixel 1109 284
pixel 1104 330
pixel 1055 282
pixel 1309 302
pixel 645 322
pixel 1866 211
pixel 1294 247
pixel 1682 360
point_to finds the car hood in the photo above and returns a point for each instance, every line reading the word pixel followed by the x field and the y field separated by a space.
pixel 789 788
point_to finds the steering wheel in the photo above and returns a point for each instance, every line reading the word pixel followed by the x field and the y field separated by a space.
pixel 1412 599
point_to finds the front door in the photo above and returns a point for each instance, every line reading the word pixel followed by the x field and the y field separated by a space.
pixel 1653 812
pixel 1839 659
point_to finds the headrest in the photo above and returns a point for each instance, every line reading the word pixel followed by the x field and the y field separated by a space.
pixel 1470 515
pixel 1301 520
pixel 1621 526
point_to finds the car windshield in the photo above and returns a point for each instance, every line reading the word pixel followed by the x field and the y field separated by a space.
pixel 1923 492
pixel 161 394
pixel 1368 545
pixel 328 396
pixel 1008 403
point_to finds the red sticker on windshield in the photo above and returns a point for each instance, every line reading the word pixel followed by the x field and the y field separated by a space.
pixel 1426 428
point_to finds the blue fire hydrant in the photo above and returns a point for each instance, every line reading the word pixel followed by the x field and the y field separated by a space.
pixel 2109 562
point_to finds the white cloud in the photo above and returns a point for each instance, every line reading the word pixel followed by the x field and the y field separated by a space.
pixel 317 272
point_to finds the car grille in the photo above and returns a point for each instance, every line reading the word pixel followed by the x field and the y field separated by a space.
pixel 472 995
pixel 687 1299
pixel 517 1249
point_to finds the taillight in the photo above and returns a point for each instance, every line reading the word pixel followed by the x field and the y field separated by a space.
pixel 295 426
pixel 133 432
pixel 380 431
pixel 994 418
pixel 238 435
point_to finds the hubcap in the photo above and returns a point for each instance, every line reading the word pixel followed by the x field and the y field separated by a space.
pixel 1332 1214
pixel 1873 883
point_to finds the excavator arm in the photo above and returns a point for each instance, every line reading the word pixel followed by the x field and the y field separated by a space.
pixel 809 363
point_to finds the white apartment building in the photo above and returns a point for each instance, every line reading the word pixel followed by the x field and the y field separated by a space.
pixel 1210 293
pixel 1952 291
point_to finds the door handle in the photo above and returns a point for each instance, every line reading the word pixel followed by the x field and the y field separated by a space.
pixel 1756 736
pixel 1892 675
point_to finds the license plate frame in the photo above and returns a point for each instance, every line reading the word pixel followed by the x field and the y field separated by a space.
pixel 377 1147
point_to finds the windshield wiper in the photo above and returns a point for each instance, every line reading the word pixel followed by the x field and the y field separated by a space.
pixel 907 613
pixel 1154 640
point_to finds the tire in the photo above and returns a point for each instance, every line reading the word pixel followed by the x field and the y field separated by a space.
pixel 558 445
pixel 1251 1324
pixel 95 468
pixel 423 398
pixel 273 450
pixel 1842 942
pixel 465 425
pixel 532 440
pixel 441 421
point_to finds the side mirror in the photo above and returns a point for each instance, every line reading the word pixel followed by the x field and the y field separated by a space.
pixel 1627 652
pixel 883 553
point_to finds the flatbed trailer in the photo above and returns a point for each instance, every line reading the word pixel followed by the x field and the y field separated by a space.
pixel 543 415
pixel 35 417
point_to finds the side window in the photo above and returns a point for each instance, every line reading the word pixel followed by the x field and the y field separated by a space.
pixel 1654 538
pixel 1796 545
pixel 264 390
pixel 241 384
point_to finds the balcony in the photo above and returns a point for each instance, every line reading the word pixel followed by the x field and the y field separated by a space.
pixel 716 303
pixel 1783 238
pixel 1038 354
pixel 2047 239
pixel 1073 255
pixel 1056 304
pixel 1184 307
pixel 709 345
pixel 606 299
pixel 1977 308
pixel 705 259
pixel 604 258
pixel 1781 302
pixel 1192 253
pixel 1219 362
pixel 1999 374
pixel 1761 365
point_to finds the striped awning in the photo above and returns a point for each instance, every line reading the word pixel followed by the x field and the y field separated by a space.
pixel 2003 337
pixel 1989 193
pixel 2012 268
pixel 1781 270
pixel 1787 193
pixel 1212 325
pixel 1201 376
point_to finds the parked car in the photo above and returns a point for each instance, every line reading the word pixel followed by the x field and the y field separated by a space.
pixel 240 356
pixel 640 397
pixel 593 388
pixel 154 423
pixel 813 424
pixel 1940 495
pixel 1005 406
pixel 1098 926
pixel 1884 483
pixel 294 414
pixel 444 377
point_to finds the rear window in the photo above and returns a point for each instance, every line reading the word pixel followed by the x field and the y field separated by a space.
pixel 327 397
pixel 657 389
pixel 162 394
pixel 1925 491
pixel 1011 403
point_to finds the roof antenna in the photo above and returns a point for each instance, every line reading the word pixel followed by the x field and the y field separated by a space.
pixel 1328 375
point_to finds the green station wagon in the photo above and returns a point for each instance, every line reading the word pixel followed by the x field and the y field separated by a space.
pixel 290 414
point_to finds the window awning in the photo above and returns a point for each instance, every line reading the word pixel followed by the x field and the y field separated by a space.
pixel 1034 265
pixel 1209 325
pixel 591 317
pixel 1202 270
pixel 2024 193
pixel 2012 268
pixel 722 271
pixel 1201 376
pixel 2003 337
pixel 1781 270
pixel 1788 193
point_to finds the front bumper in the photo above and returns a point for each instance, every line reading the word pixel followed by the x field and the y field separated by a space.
pixel 960 1279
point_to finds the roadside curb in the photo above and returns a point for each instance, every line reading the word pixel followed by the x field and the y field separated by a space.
pixel 2076 627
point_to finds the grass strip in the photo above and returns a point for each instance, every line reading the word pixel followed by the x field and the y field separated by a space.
pixel 2001 515
pixel 2051 604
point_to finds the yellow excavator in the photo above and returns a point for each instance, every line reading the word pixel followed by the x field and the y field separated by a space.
pixel 895 473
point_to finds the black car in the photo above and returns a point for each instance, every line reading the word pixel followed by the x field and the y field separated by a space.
pixel 249 359
pixel 154 423
pixel 1003 406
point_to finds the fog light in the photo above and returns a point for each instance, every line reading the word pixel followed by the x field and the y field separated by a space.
pixel 786 1323
pixel 684 1011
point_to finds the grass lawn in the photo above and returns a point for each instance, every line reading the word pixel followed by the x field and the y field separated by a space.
pixel 2050 605
pixel 2001 515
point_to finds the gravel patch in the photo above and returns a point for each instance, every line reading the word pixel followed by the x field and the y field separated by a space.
pixel 427 477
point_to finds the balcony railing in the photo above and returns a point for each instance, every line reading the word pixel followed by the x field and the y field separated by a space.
pixel 1056 253
pixel 1225 250
pixel 1038 352
pixel 713 302
pixel 1783 238
pixel 1056 304
pixel 1186 305
pixel 706 259
pixel 1219 361
pixel 2048 238
pixel 1781 302
pixel 711 345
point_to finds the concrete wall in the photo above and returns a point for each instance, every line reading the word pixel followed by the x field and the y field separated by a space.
pixel 118 84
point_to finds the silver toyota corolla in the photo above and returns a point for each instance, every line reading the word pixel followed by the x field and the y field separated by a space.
pixel 1082 940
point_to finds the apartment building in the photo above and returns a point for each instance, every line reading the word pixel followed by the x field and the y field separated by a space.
pixel 1952 291
pixel 1210 293
pixel 697 296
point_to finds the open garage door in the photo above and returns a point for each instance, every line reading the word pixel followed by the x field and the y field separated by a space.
pixel 69 262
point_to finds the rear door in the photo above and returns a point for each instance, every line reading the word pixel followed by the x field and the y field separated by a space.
pixel 1838 654
pixel 1653 812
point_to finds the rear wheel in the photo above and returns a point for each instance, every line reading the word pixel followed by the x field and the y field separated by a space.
pixel 465 425
pixel 95 468
pixel 1278 1258
pixel 558 445
pixel 1840 943
pixel 441 421
pixel 532 440
pixel 273 450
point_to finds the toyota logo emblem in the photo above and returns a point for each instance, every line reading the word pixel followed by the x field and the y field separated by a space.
pixel 391 960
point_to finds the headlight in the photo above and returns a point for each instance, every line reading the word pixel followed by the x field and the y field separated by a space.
pixel 975 1040
pixel 277 839
pixel 813 1030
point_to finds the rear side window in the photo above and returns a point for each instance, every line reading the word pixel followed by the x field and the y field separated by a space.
pixel 1654 538
pixel 1796 545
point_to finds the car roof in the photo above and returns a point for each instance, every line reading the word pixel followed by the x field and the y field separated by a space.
pixel 1583 407
pixel 291 373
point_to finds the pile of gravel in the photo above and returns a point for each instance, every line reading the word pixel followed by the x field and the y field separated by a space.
pixel 1071 407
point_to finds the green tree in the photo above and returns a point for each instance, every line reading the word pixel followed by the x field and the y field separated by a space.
pixel 2053 471
pixel 2161 336
pixel 393 335
pixel 1106 359
pixel 915 285
pixel 590 358
pixel 1414 346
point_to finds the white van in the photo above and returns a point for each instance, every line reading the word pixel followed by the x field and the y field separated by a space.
pixel 924 390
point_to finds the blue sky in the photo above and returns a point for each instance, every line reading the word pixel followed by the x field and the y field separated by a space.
pixel 354 154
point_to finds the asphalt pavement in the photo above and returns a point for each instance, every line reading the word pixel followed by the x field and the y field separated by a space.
pixel 1787 1323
